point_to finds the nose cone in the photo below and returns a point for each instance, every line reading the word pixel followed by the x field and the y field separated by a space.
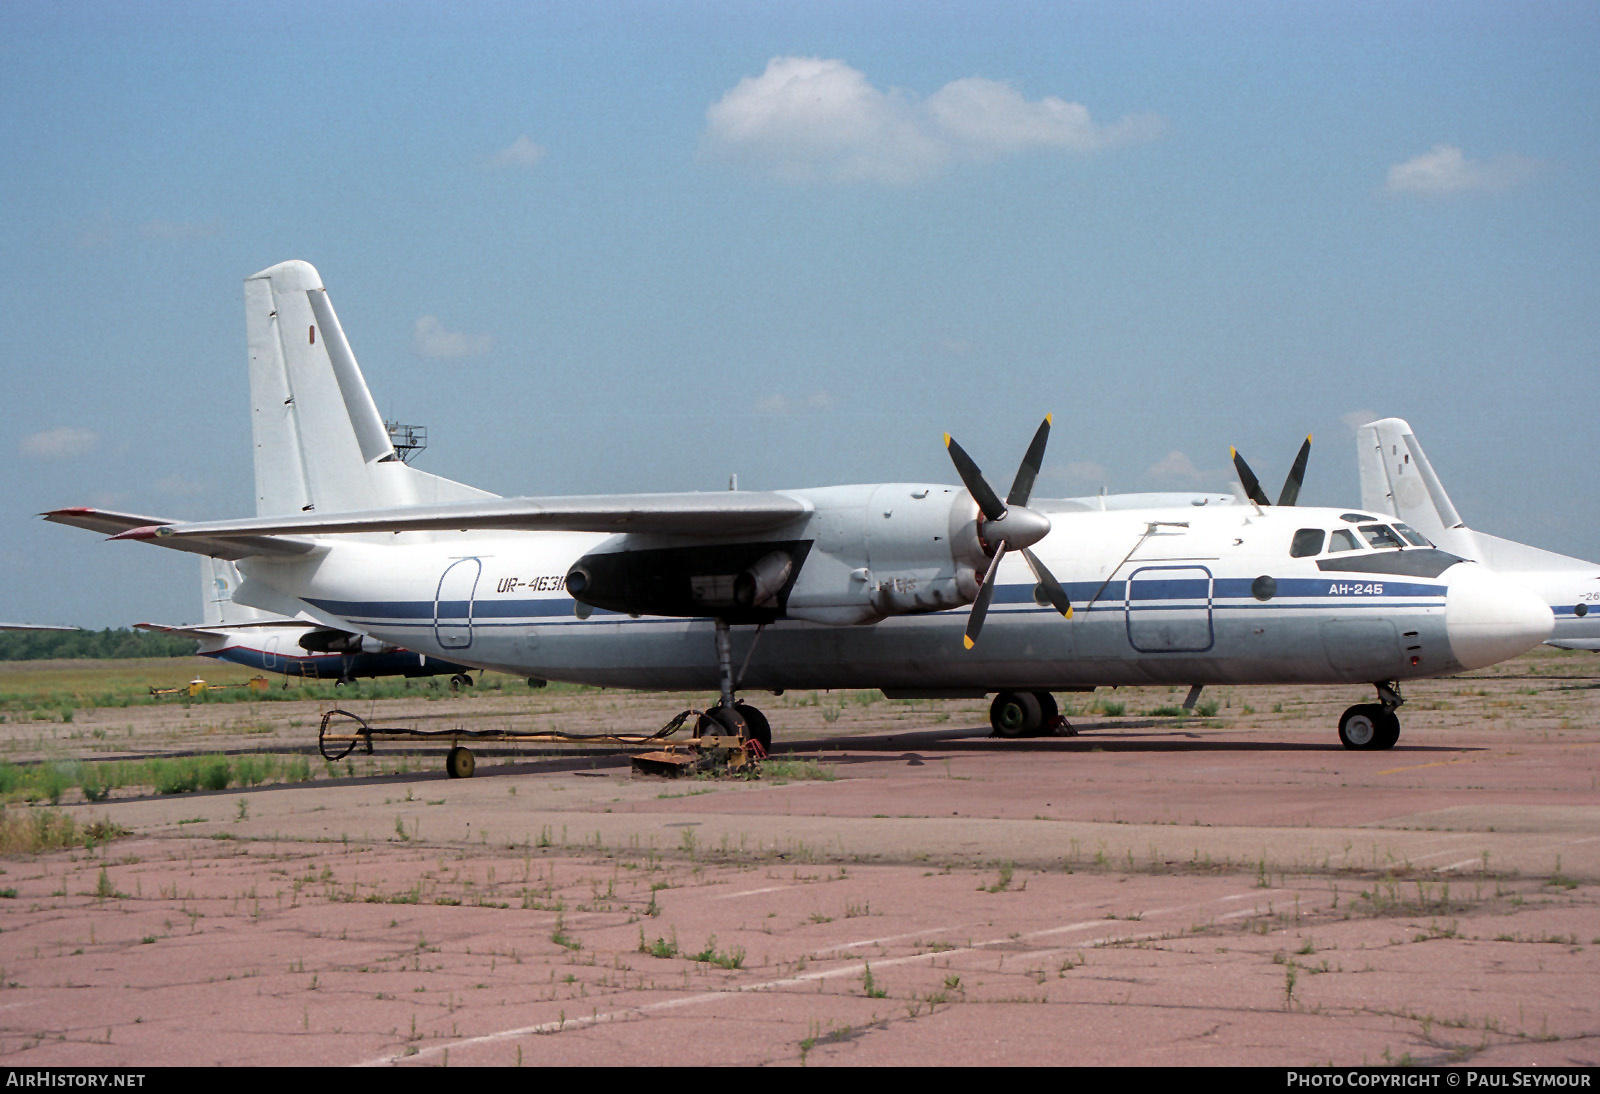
pixel 1489 619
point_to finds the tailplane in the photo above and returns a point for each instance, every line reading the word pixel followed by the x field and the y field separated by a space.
pixel 320 444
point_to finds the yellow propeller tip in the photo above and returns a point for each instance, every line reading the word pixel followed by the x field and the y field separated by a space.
pixel 967 642
pixel 1067 614
pixel 1232 452
pixel 947 440
pixel 1050 418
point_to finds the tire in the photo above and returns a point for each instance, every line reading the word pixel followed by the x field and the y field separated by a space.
pixel 459 763
pixel 1388 730
pixel 1015 714
pixel 756 726
pixel 1359 727
pixel 719 721
pixel 1048 713
pixel 460 680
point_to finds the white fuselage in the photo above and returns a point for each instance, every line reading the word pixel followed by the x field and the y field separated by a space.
pixel 1174 596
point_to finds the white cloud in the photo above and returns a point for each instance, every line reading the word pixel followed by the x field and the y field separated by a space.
pixel 806 118
pixel 62 443
pixel 521 152
pixel 434 341
pixel 783 404
pixel 1175 467
pixel 1446 170
pixel 1355 419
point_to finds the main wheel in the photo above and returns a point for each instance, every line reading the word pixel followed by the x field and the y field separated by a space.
pixel 1015 714
pixel 1048 712
pixel 1388 729
pixel 756 726
pixel 460 680
pixel 719 721
pixel 1359 727
pixel 459 763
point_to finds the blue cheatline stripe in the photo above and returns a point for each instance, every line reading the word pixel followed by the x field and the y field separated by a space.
pixel 1226 594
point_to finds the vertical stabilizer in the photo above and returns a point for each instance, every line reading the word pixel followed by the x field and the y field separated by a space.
pixel 320 444
pixel 1397 478
pixel 218 579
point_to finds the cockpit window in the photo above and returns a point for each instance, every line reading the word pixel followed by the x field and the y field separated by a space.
pixel 1379 535
pixel 1412 536
pixel 1342 540
pixel 1307 542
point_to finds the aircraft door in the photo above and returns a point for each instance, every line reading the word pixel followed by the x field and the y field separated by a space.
pixel 452 603
pixel 1169 609
pixel 269 654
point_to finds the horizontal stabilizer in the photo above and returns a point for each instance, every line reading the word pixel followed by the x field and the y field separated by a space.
pixel 124 525
pixel 706 515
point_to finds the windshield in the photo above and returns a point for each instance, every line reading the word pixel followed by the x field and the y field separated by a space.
pixel 1380 535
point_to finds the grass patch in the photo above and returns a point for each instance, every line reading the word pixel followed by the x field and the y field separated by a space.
pixel 798 771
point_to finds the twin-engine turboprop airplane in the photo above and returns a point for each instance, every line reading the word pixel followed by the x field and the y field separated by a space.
pixel 294 647
pixel 831 587
pixel 1396 477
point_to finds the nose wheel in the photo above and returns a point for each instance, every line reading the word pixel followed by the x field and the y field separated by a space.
pixel 1368 727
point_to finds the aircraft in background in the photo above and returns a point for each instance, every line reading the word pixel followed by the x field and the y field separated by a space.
pixel 294 647
pixel 1396 477
pixel 832 587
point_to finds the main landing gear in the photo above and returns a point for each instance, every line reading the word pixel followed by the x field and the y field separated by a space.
pixel 1372 726
pixel 731 717
pixel 1027 714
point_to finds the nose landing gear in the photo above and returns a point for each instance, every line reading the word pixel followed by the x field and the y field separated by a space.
pixel 1373 726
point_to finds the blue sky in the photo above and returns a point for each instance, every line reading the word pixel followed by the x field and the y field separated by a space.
pixel 641 246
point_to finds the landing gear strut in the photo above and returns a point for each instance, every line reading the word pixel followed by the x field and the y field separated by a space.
pixel 1373 726
pixel 730 716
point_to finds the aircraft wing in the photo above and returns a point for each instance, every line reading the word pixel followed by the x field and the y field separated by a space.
pixel 117 525
pixel 708 515
pixel 34 627
pixel 220 629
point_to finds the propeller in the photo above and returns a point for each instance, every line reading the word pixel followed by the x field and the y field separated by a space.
pixel 1008 526
pixel 1291 485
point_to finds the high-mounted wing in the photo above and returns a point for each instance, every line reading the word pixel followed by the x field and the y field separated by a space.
pixel 708 515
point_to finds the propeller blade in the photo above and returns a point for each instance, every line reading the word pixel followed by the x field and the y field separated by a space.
pixel 1247 479
pixel 1022 487
pixel 972 478
pixel 1053 592
pixel 1297 475
pixel 980 606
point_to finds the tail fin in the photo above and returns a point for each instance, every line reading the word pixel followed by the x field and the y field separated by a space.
pixel 218 579
pixel 1397 478
pixel 320 444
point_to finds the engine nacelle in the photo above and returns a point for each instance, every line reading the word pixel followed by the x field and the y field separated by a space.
pixel 328 640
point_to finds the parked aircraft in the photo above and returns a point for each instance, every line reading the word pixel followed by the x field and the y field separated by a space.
pixel 294 647
pixel 831 587
pixel 1396 477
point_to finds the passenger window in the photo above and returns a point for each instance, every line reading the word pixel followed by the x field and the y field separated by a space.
pixel 1342 540
pixel 1380 536
pixel 1412 536
pixel 1307 542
